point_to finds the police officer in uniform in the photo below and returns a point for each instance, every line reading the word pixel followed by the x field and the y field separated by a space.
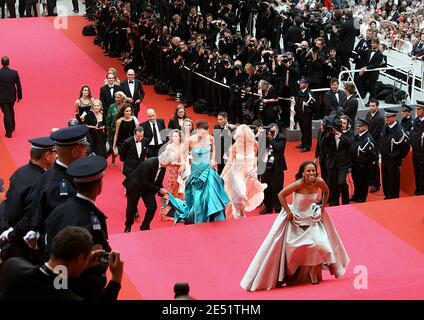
pixel 81 210
pixel 55 187
pixel 417 142
pixel 364 154
pixel 42 157
pixel 394 147
pixel 407 120
pixel 304 110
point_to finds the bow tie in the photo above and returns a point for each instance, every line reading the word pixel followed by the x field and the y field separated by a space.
pixel 138 142
pixel 131 81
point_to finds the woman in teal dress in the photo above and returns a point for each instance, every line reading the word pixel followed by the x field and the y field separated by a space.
pixel 205 198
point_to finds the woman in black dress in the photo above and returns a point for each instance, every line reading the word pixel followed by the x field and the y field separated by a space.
pixel 125 126
pixel 177 121
pixel 83 104
pixel 95 122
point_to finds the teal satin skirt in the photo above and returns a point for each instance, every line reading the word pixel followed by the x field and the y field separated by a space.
pixel 205 197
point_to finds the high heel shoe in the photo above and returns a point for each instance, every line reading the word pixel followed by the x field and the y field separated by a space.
pixel 313 276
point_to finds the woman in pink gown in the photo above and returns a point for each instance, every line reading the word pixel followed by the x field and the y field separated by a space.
pixel 240 174
pixel 302 240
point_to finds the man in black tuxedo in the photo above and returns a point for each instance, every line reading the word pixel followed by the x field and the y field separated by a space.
pixel 350 106
pixel 133 151
pixel 337 146
pixel 334 98
pixel 107 92
pixel 145 182
pixel 152 129
pixel 134 91
pixel 376 121
pixel 10 91
pixel 368 80
pixel 223 139
pixel 347 35
pixel 275 166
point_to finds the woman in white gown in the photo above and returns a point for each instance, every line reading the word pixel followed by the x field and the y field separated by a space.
pixel 240 174
pixel 302 240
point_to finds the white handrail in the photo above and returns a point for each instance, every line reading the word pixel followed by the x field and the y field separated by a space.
pixel 410 67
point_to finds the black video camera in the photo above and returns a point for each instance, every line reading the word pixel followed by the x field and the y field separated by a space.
pixel 332 121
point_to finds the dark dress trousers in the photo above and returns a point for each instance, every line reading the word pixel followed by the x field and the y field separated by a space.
pixel 10 92
pixel 142 183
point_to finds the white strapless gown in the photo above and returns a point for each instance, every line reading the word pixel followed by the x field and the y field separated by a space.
pixel 242 185
pixel 310 239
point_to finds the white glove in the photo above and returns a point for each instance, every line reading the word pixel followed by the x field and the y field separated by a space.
pixel 31 239
pixel 5 235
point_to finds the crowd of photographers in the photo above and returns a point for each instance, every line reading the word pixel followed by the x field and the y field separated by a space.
pixel 272 61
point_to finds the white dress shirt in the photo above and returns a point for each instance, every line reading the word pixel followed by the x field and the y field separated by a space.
pixel 152 143
pixel 131 86
pixel 138 145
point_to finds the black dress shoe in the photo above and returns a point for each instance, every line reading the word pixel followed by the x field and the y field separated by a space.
pixel 305 150
pixel 265 211
pixel 127 229
pixel 8 135
pixel 142 228
pixel 374 189
pixel 353 199
pixel 299 146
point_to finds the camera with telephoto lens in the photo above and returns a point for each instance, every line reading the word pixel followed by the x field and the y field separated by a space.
pixel 332 121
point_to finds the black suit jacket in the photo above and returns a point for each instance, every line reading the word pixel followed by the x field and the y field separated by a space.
pixel 350 108
pixel 174 124
pixel 330 101
pixel 21 280
pixel 376 126
pixel 279 146
pixel 78 212
pixel 347 35
pixel 375 62
pixel 142 179
pixel 148 133
pixel 10 85
pixel 338 157
pixel 138 92
pixel 129 155
pixel 106 98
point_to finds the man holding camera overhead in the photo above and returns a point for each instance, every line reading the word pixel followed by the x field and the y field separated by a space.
pixel 337 144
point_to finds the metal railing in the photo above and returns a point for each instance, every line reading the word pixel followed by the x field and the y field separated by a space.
pixel 406 67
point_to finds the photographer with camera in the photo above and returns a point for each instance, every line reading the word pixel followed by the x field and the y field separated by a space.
pixel 287 72
pixel 73 254
pixel 337 144
pixel 236 80
pixel 268 105
pixel 275 166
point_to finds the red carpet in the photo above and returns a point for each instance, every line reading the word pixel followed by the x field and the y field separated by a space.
pixel 53 65
pixel 213 257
